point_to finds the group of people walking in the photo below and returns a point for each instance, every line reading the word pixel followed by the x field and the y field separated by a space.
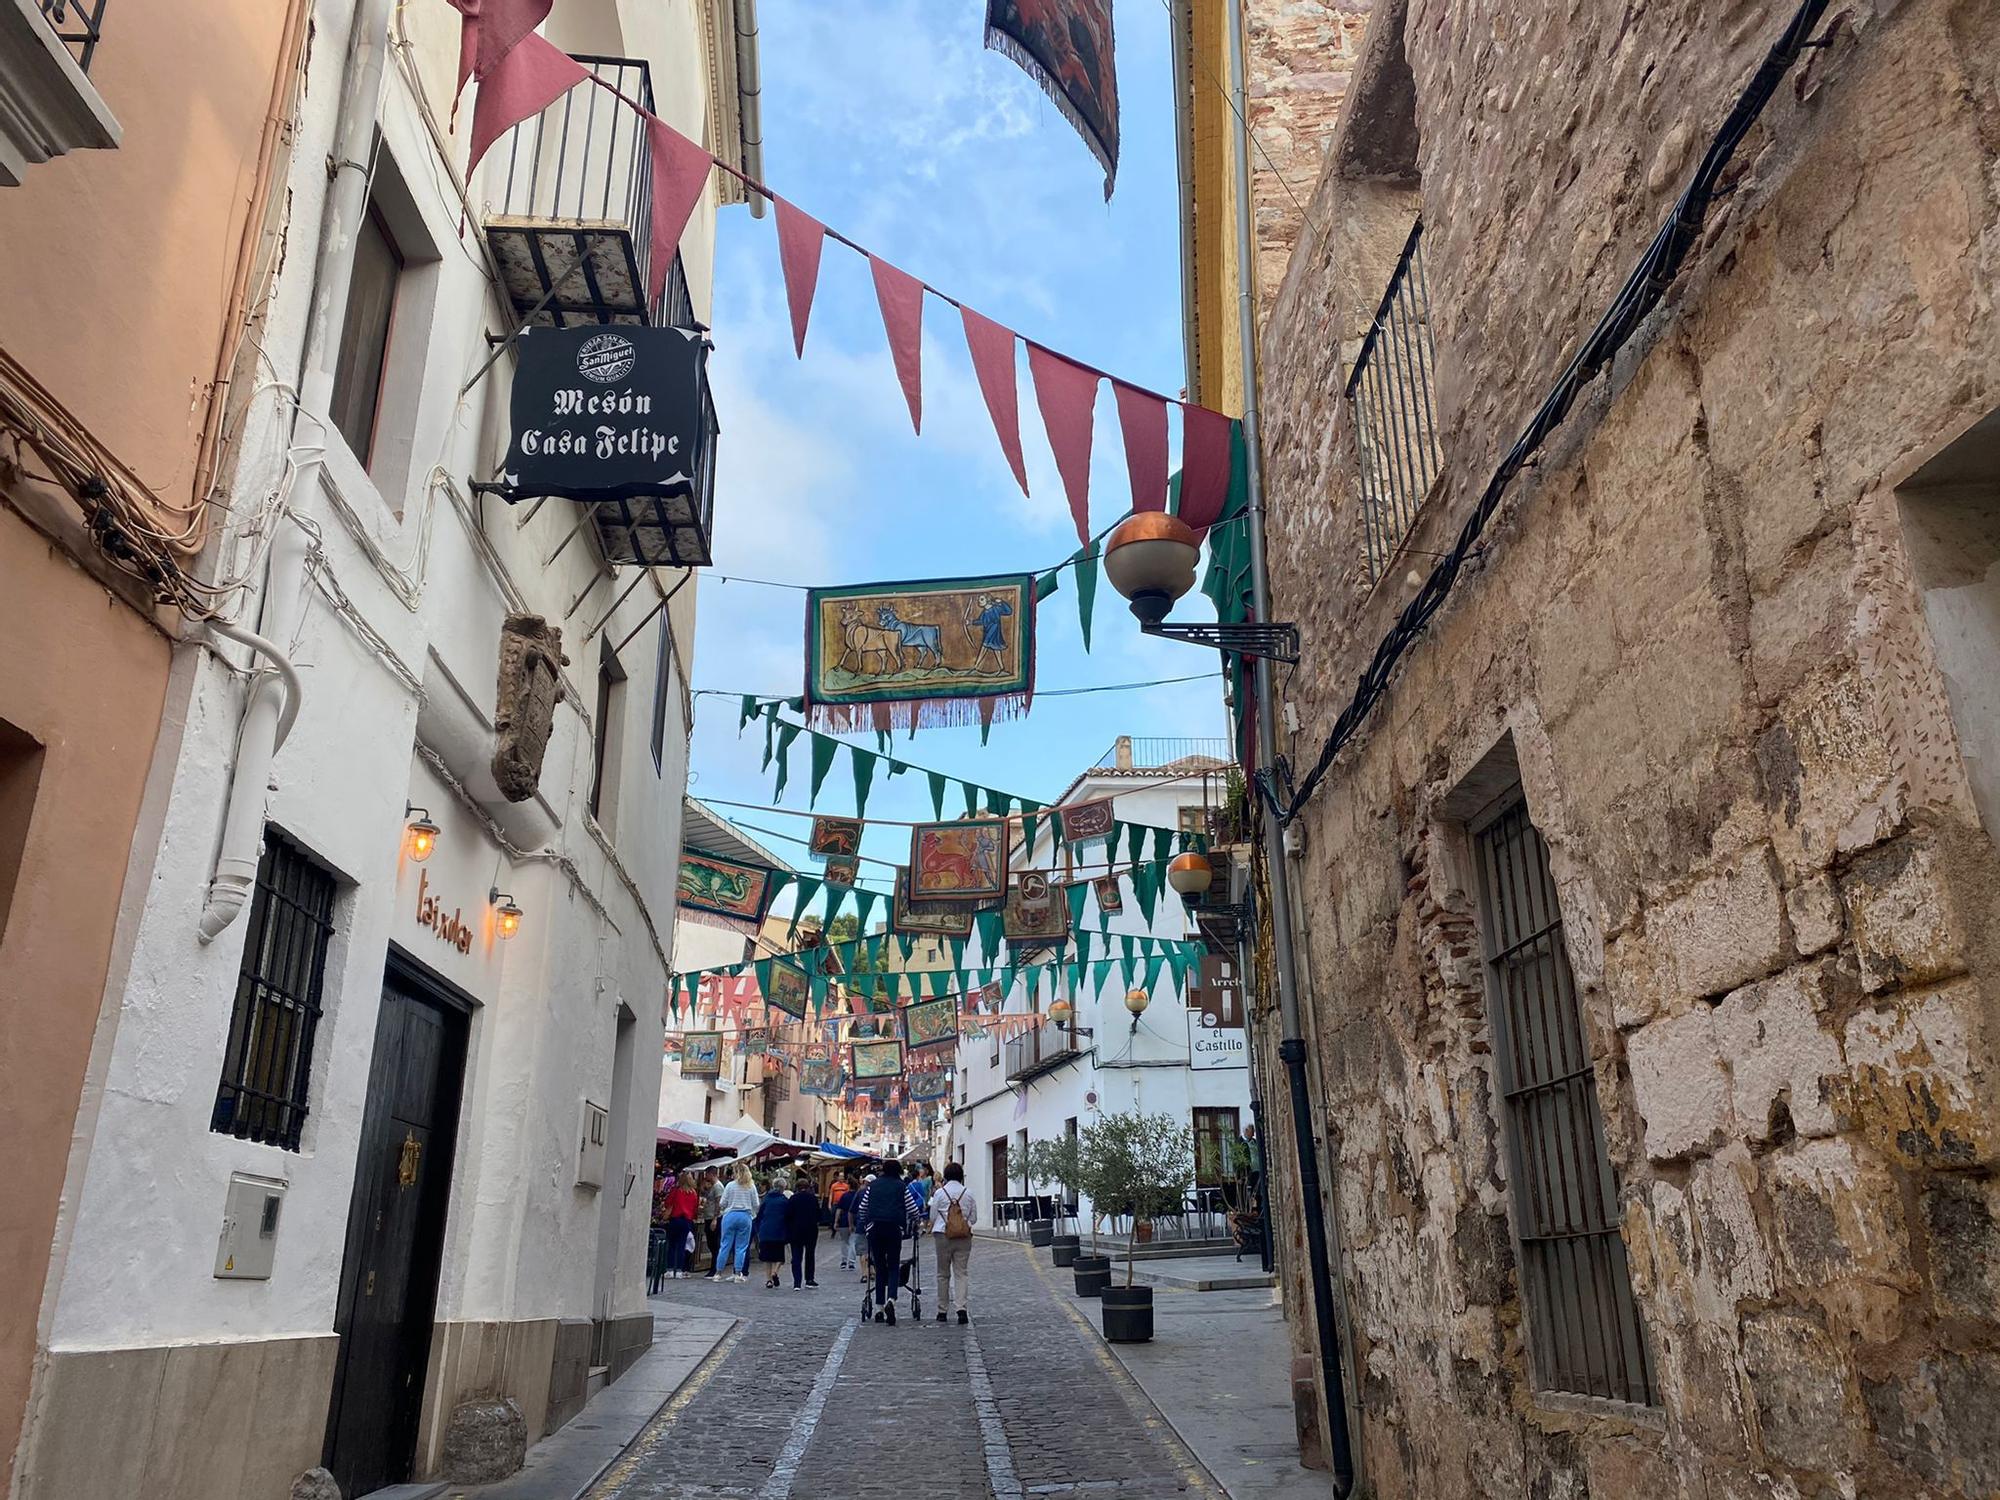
pixel 872 1216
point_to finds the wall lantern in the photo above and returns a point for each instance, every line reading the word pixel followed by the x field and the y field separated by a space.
pixel 420 834
pixel 1061 1011
pixel 506 914
pixel 1191 875
pixel 1150 559
pixel 1136 1001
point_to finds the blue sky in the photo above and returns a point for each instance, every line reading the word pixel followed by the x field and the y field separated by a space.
pixel 888 120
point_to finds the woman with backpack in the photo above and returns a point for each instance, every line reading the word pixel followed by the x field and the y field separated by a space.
pixel 953 1213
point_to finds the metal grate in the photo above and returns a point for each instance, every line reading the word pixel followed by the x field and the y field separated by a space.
pixel 1584 1332
pixel 1390 397
pixel 78 25
pixel 267 1070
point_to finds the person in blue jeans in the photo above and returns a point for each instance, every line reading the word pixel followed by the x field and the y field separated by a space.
pixel 739 1208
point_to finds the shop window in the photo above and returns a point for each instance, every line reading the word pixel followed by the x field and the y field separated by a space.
pixel 267 1069
pixel 364 333
pixel 610 728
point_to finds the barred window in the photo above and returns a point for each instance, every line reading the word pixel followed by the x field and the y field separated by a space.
pixel 1584 1332
pixel 267 1070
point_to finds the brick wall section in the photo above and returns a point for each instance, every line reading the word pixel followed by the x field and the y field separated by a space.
pixel 1694 619
pixel 1296 65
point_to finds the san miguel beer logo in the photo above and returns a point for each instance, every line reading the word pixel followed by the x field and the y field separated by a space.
pixel 605 413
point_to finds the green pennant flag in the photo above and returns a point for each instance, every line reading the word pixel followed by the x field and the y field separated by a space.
pixel 1163 844
pixel 1146 889
pixel 786 734
pixel 770 729
pixel 1047 583
pixel 746 713
pixel 1082 946
pixel 904 942
pixel 985 730
pixel 823 747
pixel 1135 843
pixel 1126 964
pixel 1030 821
pixel 818 991
pixel 936 779
pixel 864 778
pixel 836 897
pixel 796 705
pixel 807 887
pixel 971 798
pixel 1075 893
pixel 1152 973
pixel 1086 588
pixel 998 803
pixel 991 932
pixel 864 907
pixel 883 740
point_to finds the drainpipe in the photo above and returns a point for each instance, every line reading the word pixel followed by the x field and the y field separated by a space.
pixel 1291 1045
pixel 1181 38
pixel 266 721
pixel 750 95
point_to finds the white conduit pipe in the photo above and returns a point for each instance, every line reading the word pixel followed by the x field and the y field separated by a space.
pixel 267 722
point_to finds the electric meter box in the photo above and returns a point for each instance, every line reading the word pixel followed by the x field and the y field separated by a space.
pixel 249 1241
pixel 591 1153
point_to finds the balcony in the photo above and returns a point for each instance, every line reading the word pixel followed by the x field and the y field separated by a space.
pixel 1389 395
pixel 570 225
pixel 1043 1050
pixel 48 106
pixel 1128 753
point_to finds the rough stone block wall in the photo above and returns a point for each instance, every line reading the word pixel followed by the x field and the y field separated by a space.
pixel 1694 623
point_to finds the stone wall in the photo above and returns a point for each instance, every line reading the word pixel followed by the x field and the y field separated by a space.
pixel 1693 637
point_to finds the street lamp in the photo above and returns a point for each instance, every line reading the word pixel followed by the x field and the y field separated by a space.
pixel 506 912
pixel 1150 559
pixel 420 833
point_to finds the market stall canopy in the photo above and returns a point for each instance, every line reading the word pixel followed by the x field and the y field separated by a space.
pixel 734 1141
pixel 669 1136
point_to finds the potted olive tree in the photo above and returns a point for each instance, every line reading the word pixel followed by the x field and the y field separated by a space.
pixel 1145 1164
pixel 1054 1163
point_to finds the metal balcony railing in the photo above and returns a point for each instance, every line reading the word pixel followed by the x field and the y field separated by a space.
pixel 1390 397
pixel 1037 1051
pixel 576 184
pixel 78 25
pixel 1128 753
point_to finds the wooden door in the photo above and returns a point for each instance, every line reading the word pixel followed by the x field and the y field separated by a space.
pixel 1001 1189
pixel 395 1235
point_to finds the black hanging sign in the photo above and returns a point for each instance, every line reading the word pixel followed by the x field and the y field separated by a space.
pixel 616 416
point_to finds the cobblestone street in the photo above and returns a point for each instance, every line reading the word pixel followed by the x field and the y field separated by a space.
pixel 803 1399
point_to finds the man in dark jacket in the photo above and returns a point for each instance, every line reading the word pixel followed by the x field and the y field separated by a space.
pixel 802 1229
pixel 887 1210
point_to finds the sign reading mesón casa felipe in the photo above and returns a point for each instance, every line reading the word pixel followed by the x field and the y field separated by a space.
pixel 605 411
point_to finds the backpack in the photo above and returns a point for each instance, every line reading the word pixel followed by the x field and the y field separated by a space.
pixel 955 1225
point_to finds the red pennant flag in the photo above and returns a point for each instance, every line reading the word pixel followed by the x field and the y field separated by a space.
pixel 523 83
pixel 992 350
pixel 901 297
pixel 1142 417
pixel 1066 392
pixel 492 29
pixel 801 237
pixel 680 173
pixel 1204 465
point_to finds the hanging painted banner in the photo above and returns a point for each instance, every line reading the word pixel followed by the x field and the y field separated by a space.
pixel 943 651
pixel 701 1054
pixel 941 922
pixel 874 1060
pixel 1034 886
pixel 787 988
pixel 963 861
pixel 841 870
pixel 1110 898
pixel 929 1084
pixel 1086 822
pixel 722 892
pixel 834 836
pixel 1066 47
pixel 870 1028
pixel 930 1022
pixel 821 1079
pixel 1034 924
pixel 756 1042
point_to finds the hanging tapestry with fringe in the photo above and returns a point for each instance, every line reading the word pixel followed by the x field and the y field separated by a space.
pixel 821 1078
pixel 929 1084
pixel 876 1060
pixel 833 837
pixel 1066 47
pixel 962 861
pixel 723 893
pixel 701 1054
pixel 841 870
pixel 785 988
pixel 940 921
pixel 930 1022
pixel 1110 899
pixel 910 655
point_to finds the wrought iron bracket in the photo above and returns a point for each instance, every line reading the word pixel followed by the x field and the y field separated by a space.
pixel 1274 642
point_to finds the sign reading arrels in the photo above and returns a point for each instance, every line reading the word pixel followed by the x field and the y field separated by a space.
pixel 1217 1038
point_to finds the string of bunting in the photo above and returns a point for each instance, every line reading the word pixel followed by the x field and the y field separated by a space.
pixel 520 74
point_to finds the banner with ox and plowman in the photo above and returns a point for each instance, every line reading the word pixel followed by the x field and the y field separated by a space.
pixel 910 655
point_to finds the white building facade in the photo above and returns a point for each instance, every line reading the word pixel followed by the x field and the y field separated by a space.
pixel 369 1137
pixel 1053 1079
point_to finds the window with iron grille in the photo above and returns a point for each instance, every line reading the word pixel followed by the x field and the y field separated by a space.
pixel 1395 423
pixel 267 1069
pixel 1584 1332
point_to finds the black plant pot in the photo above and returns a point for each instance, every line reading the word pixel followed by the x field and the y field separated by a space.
pixel 1128 1314
pixel 1063 1249
pixel 1041 1231
pixel 1092 1273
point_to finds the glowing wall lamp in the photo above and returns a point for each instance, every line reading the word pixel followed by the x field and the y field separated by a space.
pixel 420 834
pixel 506 914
